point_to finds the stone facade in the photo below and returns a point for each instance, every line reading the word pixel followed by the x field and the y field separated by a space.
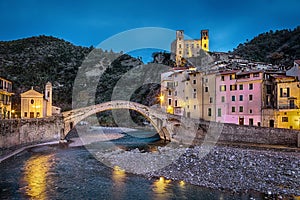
pixel 14 132
pixel 183 48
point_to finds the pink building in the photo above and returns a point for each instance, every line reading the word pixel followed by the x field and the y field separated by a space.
pixel 239 97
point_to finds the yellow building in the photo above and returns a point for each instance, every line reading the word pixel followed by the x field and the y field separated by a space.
pixel 5 98
pixel 34 105
pixel 287 114
pixel 189 48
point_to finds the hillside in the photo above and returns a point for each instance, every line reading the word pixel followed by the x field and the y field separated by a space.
pixel 279 47
pixel 36 60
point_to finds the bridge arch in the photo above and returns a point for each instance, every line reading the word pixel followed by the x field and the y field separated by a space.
pixel 157 119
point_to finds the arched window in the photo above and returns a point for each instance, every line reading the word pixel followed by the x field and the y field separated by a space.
pixel 32 101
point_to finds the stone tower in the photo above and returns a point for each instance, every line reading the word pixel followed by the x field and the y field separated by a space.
pixel 205 40
pixel 179 46
pixel 48 98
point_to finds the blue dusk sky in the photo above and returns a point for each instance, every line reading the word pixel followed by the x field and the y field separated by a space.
pixel 89 23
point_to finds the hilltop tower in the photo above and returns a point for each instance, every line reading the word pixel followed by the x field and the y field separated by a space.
pixel 205 40
pixel 187 48
pixel 48 98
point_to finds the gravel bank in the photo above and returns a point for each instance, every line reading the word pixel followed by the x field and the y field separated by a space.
pixel 228 168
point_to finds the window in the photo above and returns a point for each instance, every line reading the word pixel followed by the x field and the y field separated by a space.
pixel 170 92
pixel 241 109
pixel 209 112
pixel 250 111
pixel 210 100
pixel 250 97
pixel 25 114
pixel 179 45
pixel 186 98
pixel 250 86
pixel 222 78
pixel 232 87
pixel 232 98
pixel 222 88
pixel 219 112
pixel 195 95
pixel 195 107
pixel 170 102
pixel 175 93
pixel 256 75
pixel 241 86
pixel 222 99
pixel 232 76
pixel 37 114
pixel 176 103
pixel 284 92
pixel 251 122
pixel 179 52
pixel 285 119
pixel 194 81
pixel 32 101
pixel 233 109
pixel 241 97
pixel 206 89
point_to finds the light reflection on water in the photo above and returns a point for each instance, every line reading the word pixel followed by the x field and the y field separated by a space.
pixel 118 177
pixel 35 180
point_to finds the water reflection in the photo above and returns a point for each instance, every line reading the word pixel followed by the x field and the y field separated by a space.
pixel 118 177
pixel 35 176
pixel 160 188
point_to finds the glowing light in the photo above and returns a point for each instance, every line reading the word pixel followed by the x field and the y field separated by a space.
pixel 118 176
pixel 13 111
pixel 36 169
pixel 161 98
pixel 181 183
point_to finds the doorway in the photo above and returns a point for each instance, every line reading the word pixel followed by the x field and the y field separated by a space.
pixel 241 120
pixel 271 123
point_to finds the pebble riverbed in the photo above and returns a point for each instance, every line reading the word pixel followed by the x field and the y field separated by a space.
pixel 221 167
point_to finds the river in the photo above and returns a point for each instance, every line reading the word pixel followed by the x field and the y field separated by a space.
pixel 62 172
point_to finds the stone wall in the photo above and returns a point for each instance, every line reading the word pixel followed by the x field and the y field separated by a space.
pixel 15 132
pixel 233 133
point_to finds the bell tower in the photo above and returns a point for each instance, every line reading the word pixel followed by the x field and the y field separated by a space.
pixel 48 97
pixel 204 40
pixel 179 46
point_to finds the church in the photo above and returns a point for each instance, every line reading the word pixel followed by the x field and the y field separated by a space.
pixel 38 105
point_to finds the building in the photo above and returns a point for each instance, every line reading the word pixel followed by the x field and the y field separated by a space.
pixel 38 105
pixel 295 70
pixel 5 98
pixel 183 48
pixel 287 113
pixel 181 92
pixel 239 97
pixel 209 96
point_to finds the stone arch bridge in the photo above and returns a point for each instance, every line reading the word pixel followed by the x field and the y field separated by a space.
pixel 162 122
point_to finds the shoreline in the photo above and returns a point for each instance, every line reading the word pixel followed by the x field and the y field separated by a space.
pixel 225 168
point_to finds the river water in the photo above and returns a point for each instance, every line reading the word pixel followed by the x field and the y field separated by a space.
pixel 61 172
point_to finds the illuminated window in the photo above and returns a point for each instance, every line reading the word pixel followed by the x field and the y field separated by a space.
pixel 233 87
pixel 232 76
pixel 256 75
pixel 284 92
pixel 222 88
